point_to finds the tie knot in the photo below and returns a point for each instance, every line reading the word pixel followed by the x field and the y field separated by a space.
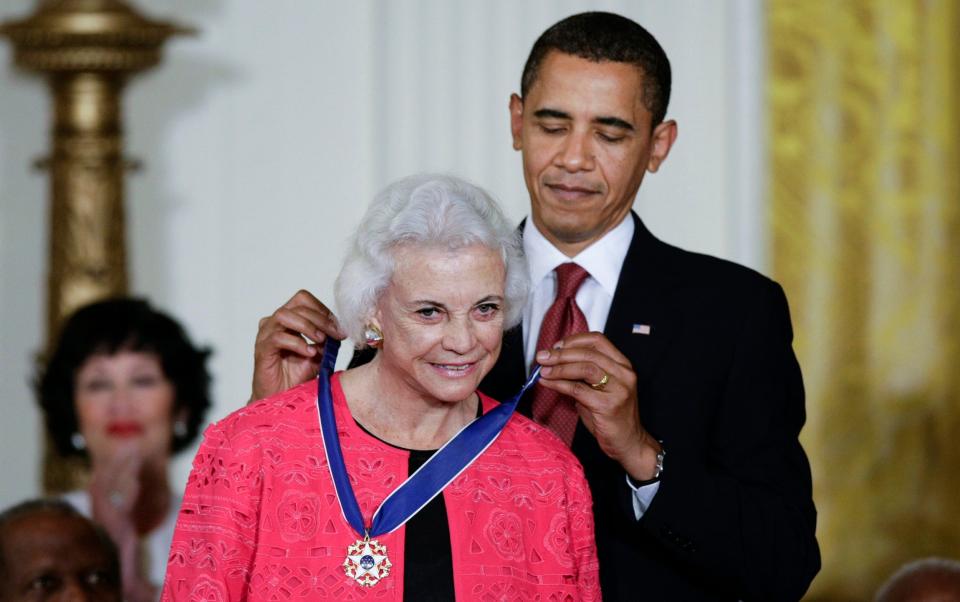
pixel 569 278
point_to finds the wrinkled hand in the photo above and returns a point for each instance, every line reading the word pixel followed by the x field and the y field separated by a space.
pixel 114 490
pixel 282 358
pixel 610 413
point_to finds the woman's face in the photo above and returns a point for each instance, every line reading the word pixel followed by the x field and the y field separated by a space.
pixel 442 319
pixel 124 402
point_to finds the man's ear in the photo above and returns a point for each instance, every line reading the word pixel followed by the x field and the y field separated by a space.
pixel 516 121
pixel 661 141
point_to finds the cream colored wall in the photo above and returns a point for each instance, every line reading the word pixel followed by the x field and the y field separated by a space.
pixel 263 138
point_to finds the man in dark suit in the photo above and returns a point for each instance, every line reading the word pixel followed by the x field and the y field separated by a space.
pixel 687 408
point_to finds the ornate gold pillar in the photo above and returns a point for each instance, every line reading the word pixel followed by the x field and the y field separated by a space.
pixel 87 49
pixel 87 243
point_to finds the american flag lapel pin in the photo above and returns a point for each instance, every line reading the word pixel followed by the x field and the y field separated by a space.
pixel 641 329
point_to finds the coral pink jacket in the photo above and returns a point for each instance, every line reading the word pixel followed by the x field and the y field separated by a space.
pixel 260 520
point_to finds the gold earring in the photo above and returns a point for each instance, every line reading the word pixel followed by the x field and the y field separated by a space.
pixel 373 335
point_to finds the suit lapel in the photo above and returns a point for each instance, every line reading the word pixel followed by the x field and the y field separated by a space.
pixel 639 324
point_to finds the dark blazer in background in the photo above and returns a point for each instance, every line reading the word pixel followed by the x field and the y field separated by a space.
pixel 719 384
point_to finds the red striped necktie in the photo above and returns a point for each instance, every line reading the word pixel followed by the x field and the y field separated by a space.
pixel 554 410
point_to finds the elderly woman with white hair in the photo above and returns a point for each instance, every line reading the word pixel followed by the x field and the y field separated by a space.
pixel 396 480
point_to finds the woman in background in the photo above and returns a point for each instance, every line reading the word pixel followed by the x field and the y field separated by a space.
pixel 125 388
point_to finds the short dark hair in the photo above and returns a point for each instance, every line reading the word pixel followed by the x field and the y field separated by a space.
pixel 57 507
pixel 598 37
pixel 108 327
pixel 35 506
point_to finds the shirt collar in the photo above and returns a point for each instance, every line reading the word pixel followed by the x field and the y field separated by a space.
pixel 603 259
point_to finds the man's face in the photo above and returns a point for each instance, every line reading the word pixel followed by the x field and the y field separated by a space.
pixel 52 557
pixel 586 140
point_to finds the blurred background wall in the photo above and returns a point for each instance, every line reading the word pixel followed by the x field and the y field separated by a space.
pixel 864 148
pixel 264 136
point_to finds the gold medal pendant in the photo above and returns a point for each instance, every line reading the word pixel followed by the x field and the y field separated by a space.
pixel 367 561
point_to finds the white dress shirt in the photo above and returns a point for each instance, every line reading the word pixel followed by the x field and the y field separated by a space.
pixel 603 260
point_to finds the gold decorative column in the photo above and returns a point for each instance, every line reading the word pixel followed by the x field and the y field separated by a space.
pixel 87 49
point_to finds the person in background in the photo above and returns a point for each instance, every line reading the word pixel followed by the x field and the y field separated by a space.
pixel 669 373
pixel 396 480
pixel 51 552
pixel 925 580
pixel 125 388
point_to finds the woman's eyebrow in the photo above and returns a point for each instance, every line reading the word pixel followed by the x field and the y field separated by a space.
pixel 427 302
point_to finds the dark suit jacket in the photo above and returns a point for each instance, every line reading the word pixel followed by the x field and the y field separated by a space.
pixel 718 383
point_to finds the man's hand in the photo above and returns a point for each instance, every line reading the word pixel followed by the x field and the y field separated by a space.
pixel 609 412
pixel 282 356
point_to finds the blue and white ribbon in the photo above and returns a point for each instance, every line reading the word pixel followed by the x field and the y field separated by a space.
pixel 424 484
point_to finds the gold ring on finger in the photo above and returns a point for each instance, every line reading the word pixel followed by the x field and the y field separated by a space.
pixel 600 385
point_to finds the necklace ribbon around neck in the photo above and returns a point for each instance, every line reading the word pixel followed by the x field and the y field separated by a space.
pixel 418 489
pixel 424 484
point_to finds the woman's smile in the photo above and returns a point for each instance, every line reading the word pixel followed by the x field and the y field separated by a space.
pixel 457 370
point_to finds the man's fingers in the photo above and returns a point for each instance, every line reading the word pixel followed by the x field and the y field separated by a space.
pixel 294 343
pixel 580 354
pixel 309 306
pixel 315 322
pixel 577 389
pixel 310 323
pixel 586 372
pixel 572 368
pixel 597 342
pixel 304 298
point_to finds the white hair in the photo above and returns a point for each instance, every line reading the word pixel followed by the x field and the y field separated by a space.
pixel 429 210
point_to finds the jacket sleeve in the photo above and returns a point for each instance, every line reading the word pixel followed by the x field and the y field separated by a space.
pixel 735 504
pixel 212 551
